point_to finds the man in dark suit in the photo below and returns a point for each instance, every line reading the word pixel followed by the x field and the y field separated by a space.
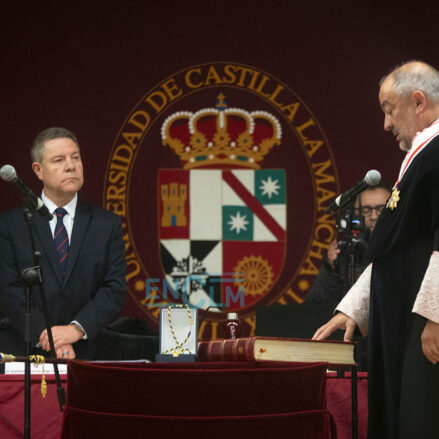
pixel 83 258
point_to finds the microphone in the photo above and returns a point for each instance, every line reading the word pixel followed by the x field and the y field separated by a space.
pixel 372 178
pixel 32 201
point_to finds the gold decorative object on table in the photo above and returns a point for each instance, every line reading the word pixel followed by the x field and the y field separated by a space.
pixel 36 359
pixel 178 333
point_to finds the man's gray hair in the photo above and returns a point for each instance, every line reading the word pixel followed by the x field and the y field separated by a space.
pixel 37 150
pixel 415 75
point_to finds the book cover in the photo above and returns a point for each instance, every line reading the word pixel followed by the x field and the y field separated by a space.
pixel 336 353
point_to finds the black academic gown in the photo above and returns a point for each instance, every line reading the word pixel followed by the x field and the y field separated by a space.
pixel 403 385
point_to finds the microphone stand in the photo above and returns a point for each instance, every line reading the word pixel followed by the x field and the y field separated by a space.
pixel 26 275
pixel 353 249
pixel 352 262
pixel 32 277
pixel 354 246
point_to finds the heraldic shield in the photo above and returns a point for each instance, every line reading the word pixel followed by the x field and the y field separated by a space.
pixel 221 219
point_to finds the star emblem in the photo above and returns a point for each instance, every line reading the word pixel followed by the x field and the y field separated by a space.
pixel 238 222
pixel 270 187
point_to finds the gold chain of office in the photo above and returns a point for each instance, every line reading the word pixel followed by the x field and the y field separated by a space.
pixel 178 348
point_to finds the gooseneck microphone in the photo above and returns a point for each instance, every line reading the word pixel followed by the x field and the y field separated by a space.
pixel 32 201
pixel 372 178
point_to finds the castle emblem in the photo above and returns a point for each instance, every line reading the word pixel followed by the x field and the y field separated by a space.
pixel 173 198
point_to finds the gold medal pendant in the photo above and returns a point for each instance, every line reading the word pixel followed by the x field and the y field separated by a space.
pixel 393 200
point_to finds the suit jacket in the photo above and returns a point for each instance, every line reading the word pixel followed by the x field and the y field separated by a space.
pixel 93 288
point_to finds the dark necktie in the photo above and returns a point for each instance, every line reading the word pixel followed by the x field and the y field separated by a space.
pixel 61 239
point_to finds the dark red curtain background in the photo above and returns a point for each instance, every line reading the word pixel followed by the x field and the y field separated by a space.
pixel 85 65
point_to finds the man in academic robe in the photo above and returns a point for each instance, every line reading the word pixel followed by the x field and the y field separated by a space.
pixel 82 259
pixel 396 299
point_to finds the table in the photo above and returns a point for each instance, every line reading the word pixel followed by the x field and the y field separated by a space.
pixel 46 418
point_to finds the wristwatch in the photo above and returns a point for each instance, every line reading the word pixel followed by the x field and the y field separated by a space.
pixel 78 326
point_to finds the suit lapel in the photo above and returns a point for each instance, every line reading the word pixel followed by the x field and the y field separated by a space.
pixel 80 224
pixel 43 230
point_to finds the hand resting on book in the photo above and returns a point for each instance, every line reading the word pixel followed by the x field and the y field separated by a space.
pixel 339 321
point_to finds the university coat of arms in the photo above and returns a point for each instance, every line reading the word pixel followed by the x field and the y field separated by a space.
pixel 221 176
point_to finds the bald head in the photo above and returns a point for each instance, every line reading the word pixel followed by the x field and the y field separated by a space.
pixel 409 98
pixel 412 76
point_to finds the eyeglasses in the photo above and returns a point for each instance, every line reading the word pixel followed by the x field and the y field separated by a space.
pixel 367 210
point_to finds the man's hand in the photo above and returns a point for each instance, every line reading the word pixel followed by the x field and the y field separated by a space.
pixel 333 252
pixel 66 351
pixel 339 321
pixel 430 341
pixel 62 335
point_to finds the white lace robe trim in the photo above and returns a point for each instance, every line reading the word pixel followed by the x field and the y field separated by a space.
pixel 427 300
pixel 356 302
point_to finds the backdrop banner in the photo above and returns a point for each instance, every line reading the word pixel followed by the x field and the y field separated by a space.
pixel 218 131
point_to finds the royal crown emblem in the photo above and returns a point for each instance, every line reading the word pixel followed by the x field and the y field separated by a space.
pixel 221 136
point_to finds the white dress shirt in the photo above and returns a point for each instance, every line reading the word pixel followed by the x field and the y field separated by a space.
pixel 68 219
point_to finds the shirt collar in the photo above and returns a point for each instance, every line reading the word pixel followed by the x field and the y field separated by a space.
pixel 70 207
pixel 425 134
pixel 420 141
